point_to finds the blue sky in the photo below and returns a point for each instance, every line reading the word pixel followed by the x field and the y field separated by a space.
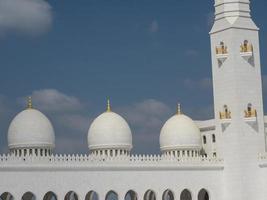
pixel 146 55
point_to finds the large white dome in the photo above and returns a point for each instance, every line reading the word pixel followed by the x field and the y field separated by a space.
pixel 31 129
pixel 180 132
pixel 109 131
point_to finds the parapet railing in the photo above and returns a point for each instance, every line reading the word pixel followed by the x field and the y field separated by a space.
pixel 93 160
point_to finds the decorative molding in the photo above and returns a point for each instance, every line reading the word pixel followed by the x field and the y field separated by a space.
pixel 77 162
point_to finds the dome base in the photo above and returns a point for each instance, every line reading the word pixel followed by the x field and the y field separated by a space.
pixel 23 152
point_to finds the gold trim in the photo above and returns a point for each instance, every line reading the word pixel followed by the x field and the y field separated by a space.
pixel 108 106
pixel 221 50
pixel 244 48
pixel 29 105
pixel 225 115
pixel 179 112
pixel 251 113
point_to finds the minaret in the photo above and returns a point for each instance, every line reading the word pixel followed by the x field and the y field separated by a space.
pixel 235 12
pixel 238 103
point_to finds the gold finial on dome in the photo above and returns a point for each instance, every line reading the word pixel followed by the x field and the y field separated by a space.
pixel 108 106
pixel 179 112
pixel 29 105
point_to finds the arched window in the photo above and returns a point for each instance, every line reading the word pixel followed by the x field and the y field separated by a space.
pixel 226 114
pixel 185 195
pixel 111 195
pixel 204 139
pixel 50 196
pixel 250 112
pixel 28 196
pixel 6 196
pixel 92 195
pixel 167 195
pixel 203 195
pixel 225 107
pixel 71 196
pixel 150 195
pixel 249 107
pixel 221 49
pixel 213 138
pixel 245 45
pixel 131 195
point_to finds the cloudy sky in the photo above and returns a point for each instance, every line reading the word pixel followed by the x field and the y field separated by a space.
pixel 146 55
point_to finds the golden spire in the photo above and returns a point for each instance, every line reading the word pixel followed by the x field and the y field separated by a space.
pixel 29 105
pixel 179 112
pixel 108 106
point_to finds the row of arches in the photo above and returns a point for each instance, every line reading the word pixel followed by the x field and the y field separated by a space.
pixel 112 195
pixel 204 139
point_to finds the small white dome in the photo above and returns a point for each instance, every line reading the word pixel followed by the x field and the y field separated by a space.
pixel 31 129
pixel 109 131
pixel 180 132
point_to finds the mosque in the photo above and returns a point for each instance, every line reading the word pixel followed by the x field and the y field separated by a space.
pixel 219 159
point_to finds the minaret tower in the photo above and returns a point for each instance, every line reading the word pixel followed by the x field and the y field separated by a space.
pixel 237 97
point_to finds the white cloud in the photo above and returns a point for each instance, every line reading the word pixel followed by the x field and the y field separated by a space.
pixel 75 122
pixel 154 26
pixel 201 113
pixel 68 145
pixel 52 100
pixel 25 16
pixel 146 119
pixel 147 115
pixel 203 84
pixel 67 115
pixel 191 53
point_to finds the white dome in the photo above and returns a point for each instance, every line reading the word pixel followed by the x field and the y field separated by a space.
pixel 180 132
pixel 31 129
pixel 109 131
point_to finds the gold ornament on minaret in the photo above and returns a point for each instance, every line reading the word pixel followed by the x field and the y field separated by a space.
pixel 108 106
pixel 29 104
pixel 179 112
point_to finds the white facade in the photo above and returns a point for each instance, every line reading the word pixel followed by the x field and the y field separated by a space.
pixel 223 158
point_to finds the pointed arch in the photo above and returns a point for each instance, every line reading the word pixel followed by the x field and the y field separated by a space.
pixel 111 195
pixel 91 195
pixel 130 195
pixel 71 195
pixel 50 196
pixel 28 196
pixel 150 195
pixel 186 195
pixel 249 107
pixel 213 138
pixel 203 195
pixel 204 138
pixel 168 195
pixel 6 196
